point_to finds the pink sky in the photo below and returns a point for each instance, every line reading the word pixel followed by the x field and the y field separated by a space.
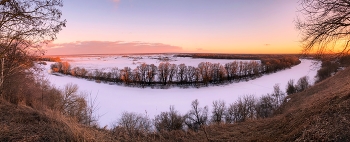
pixel 137 26
pixel 106 47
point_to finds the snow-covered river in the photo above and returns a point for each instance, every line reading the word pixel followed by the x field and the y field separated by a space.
pixel 112 100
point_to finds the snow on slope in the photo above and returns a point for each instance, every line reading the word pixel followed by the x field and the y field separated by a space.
pixel 114 99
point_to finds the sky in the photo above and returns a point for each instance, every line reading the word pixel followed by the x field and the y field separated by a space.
pixel 187 26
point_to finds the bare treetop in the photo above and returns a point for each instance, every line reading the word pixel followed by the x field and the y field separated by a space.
pixel 29 22
pixel 325 26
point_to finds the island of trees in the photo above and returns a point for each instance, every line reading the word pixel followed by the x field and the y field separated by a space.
pixel 167 74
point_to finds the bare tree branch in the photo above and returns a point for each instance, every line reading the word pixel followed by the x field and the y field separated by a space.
pixel 325 26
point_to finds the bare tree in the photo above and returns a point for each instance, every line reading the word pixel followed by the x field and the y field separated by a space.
pixel 222 73
pixel 242 110
pixel 35 21
pixel 241 69
pixel 249 68
pixel 206 71
pixel 230 113
pixel 82 72
pixel 75 105
pixel 90 75
pixel 197 76
pixel 255 68
pixel 239 110
pixel 231 70
pixel 250 102
pixel 56 67
pixel 115 75
pixel 151 73
pixel 172 72
pixel 126 75
pixel 228 67
pixel 106 76
pixel 69 98
pixel 245 69
pixel 215 72
pixel 143 72
pixel 218 72
pixel 278 95
pixel 191 73
pixel 163 72
pixel 218 111
pixel 53 97
pixel 325 26
pixel 98 73
pixel 234 69
pixel 136 76
pixel 182 73
pixel 15 64
pixel 65 67
pixel 197 116
pixel 92 107
pixel 74 71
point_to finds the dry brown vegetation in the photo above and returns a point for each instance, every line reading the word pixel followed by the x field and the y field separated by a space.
pixel 23 123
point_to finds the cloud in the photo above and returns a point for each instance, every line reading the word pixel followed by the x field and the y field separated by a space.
pixel 116 2
pixel 202 50
pixel 109 47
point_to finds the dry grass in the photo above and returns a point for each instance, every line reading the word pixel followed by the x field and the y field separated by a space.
pixel 22 123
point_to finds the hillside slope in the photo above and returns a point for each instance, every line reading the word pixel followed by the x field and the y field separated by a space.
pixel 22 123
pixel 320 113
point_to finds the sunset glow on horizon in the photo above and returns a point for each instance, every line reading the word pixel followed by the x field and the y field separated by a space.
pixel 203 26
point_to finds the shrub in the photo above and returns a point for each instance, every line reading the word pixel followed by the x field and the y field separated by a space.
pixel 134 124
pixel 169 121
pixel 265 106
pixel 326 70
pixel 302 84
pixel 76 106
pixel 291 88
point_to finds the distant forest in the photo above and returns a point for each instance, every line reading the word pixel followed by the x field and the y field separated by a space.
pixel 167 74
pixel 235 56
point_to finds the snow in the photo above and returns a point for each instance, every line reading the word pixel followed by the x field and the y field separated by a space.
pixel 108 62
pixel 114 99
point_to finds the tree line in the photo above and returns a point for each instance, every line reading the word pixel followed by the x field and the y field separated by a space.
pixel 166 74
pixel 329 67
pixel 234 56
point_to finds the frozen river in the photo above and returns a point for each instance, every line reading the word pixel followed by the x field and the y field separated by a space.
pixel 114 99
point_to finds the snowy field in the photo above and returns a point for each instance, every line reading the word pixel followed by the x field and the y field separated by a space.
pixel 114 99
pixel 108 62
